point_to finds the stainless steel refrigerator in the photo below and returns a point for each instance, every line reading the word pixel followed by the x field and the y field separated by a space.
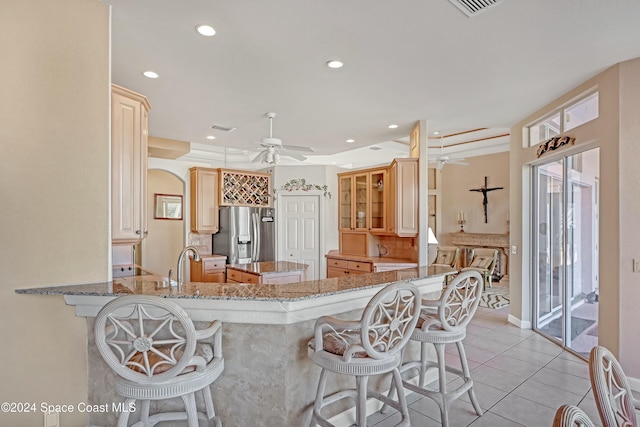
pixel 246 235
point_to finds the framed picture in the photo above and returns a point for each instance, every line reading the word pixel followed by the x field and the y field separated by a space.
pixel 167 206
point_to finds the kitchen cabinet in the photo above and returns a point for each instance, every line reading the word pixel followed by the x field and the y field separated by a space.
pixel 242 188
pixel 266 278
pixel 129 136
pixel 337 267
pixel 363 208
pixel 209 269
pixel 204 200
pixel 362 200
pixel 403 198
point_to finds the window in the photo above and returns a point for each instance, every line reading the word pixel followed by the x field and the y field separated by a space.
pixel 570 117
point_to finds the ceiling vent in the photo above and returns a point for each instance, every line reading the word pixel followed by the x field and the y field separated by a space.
pixel 223 128
pixel 374 148
pixel 473 7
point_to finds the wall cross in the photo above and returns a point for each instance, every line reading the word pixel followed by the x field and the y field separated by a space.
pixel 484 190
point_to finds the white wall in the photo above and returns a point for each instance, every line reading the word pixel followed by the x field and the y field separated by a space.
pixel 55 186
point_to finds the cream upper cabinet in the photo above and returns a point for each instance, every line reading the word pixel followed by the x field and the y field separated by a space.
pixel 403 198
pixel 204 200
pixel 129 134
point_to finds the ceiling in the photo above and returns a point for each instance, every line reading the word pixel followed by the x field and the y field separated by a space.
pixel 404 61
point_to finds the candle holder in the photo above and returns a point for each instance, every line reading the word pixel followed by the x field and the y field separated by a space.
pixel 461 222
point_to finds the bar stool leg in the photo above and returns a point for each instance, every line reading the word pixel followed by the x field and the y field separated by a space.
pixel 317 406
pixel 467 377
pixel 361 405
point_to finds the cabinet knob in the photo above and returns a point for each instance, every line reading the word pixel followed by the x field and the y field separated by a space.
pixel 138 232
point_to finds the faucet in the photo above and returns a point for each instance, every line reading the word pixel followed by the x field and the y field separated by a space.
pixel 196 257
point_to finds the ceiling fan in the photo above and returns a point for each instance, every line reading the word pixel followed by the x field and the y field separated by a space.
pixel 273 148
pixel 443 160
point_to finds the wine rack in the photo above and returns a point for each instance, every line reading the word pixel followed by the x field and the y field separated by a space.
pixel 240 188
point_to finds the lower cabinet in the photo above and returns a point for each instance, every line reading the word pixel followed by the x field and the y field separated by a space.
pixel 340 267
pixel 236 276
pixel 210 269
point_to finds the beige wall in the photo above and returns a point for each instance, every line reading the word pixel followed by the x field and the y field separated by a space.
pixel 54 182
pixel 161 248
pixel 616 132
pixel 455 183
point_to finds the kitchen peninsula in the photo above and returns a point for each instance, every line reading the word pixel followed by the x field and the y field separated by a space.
pixel 268 378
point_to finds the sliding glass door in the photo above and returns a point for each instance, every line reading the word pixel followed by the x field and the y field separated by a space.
pixel 565 238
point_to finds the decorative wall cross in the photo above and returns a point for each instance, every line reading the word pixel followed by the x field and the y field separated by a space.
pixel 484 190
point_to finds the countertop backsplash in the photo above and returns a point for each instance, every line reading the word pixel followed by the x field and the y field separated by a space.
pixel 202 242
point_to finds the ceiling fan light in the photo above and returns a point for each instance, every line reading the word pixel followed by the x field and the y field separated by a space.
pixel 276 157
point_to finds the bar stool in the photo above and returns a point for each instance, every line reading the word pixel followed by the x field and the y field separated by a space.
pixel 444 321
pixel 156 353
pixel 370 346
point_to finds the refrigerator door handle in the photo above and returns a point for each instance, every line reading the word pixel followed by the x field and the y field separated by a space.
pixel 256 237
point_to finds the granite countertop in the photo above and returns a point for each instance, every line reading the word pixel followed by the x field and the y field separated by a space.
pixel 213 256
pixel 241 291
pixel 266 267
pixel 376 260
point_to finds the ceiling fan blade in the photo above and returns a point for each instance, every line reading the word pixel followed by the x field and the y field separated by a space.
pixel 458 162
pixel 292 155
pixel 259 157
pixel 298 148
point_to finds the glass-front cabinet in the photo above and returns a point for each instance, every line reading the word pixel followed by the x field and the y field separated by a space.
pixel 346 210
pixel 363 201
pixel 378 200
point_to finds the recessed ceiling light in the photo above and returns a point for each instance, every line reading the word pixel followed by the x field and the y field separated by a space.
pixel 333 163
pixel 151 74
pixel 394 126
pixel 435 132
pixel 351 141
pixel 205 30
pixel 211 137
pixel 334 63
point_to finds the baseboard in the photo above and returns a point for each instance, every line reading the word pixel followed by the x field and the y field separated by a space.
pixel 522 324
pixel 348 417
pixel 634 383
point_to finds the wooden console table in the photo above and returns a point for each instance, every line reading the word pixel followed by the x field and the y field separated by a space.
pixel 485 240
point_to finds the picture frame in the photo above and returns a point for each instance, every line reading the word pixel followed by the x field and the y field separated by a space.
pixel 167 206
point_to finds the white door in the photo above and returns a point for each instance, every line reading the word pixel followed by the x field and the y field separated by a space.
pixel 301 223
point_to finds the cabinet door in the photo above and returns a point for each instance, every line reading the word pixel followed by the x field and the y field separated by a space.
pixel 407 198
pixel 378 201
pixel 129 167
pixel 335 272
pixel 204 200
pixel 215 277
pixel 361 201
pixel 346 202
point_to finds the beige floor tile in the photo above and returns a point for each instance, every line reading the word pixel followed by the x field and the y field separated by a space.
pixel 546 395
pixel 524 411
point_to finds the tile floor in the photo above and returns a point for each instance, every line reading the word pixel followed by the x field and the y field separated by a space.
pixel 520 379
